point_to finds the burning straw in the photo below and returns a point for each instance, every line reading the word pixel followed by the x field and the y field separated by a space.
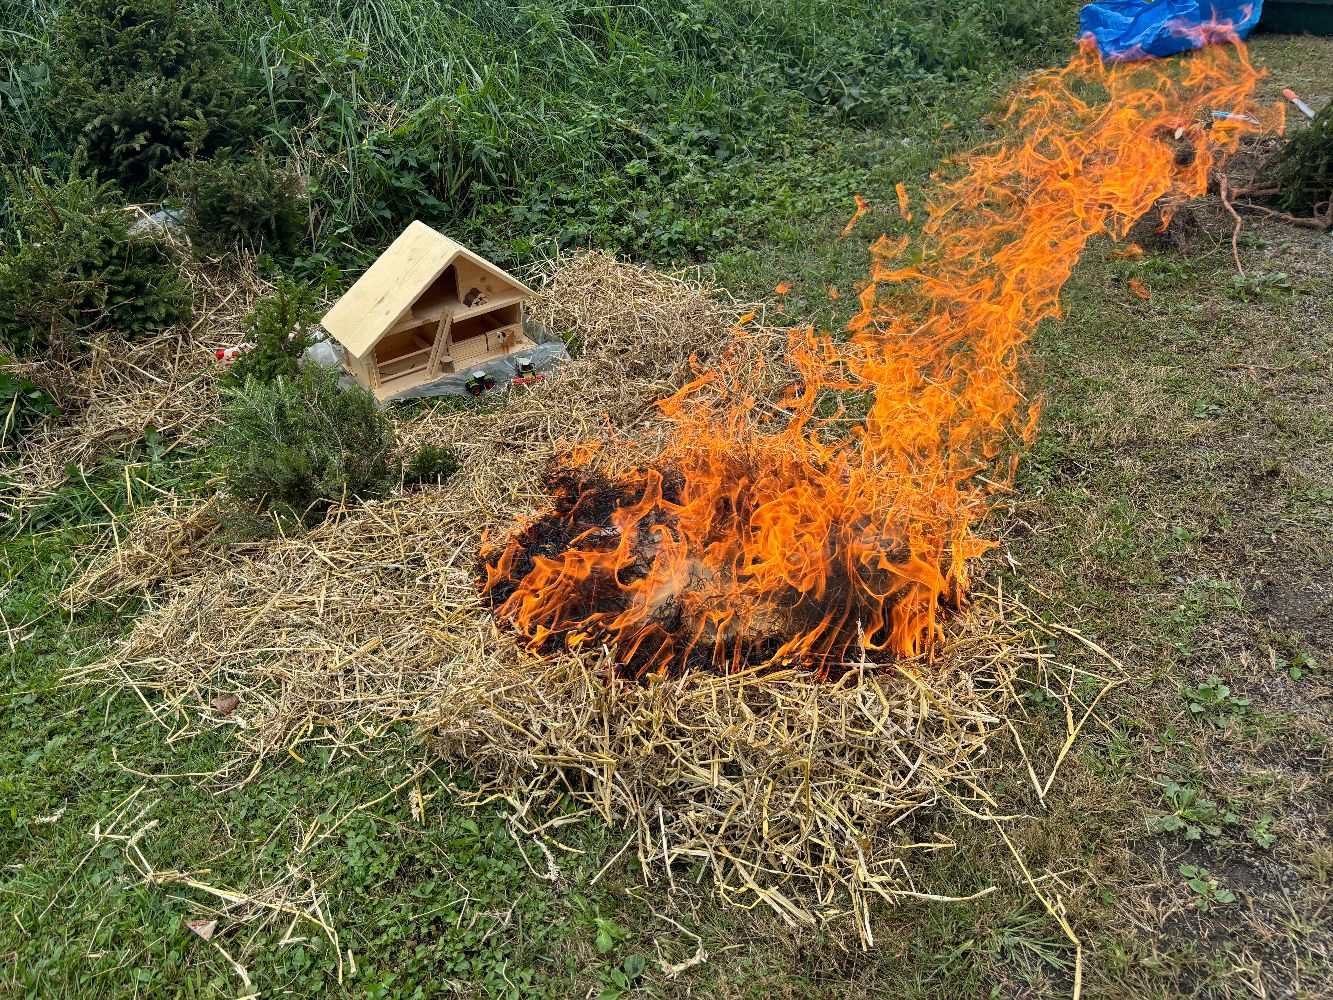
pixel 840 514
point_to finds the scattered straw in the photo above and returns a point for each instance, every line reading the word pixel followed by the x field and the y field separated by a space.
pixel 120 389
pixel 292 897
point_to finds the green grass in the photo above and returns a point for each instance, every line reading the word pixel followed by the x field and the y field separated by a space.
pixel 665 131
pixel 1175 508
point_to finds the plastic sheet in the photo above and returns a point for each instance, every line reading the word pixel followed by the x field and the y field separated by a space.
pixel 1126 30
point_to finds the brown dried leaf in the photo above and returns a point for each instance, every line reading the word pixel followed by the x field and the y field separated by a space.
pixel 203 926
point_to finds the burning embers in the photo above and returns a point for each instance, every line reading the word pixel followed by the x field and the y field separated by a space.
pixel 825 514
pixel 614 558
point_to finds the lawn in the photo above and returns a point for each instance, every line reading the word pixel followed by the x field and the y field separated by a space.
pixel 1175 510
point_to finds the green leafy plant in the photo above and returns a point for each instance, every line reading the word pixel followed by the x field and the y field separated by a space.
pixel 1261 832
pixel 1265 286
pixel 608 934
pixel 432 463
pixel 144 82
pixel 1300 664
pixel 1191 813
pixel 1212 701
pixel 73 266
pixel 278 329
pixel 619 980
pixel 23 404
pixel 1208 893
pixel 296 446
pixel 248 203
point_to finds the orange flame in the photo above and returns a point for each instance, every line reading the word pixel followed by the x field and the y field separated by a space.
pixel 840 518
pixel 861 207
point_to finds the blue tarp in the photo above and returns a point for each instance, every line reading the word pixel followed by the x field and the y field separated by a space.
pixel 1144 29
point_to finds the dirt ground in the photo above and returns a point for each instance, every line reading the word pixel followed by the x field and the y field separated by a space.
pixel 1179 505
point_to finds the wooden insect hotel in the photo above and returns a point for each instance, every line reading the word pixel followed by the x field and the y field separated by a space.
pixel 427 308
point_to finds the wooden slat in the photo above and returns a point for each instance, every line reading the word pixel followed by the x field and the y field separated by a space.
pixel 441 344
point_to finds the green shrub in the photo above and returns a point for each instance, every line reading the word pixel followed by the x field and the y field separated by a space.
pixel 22 405
pixel 1304 166
pixel 298 445
pixel 433 463
pixel 71 265
pixel 279 330
pixel 141 83
pixel 247 203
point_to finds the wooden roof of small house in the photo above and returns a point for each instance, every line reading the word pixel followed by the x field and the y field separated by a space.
pixel 386 291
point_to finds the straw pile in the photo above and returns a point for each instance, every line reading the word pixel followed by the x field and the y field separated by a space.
pixel 785 791
pixel 121 389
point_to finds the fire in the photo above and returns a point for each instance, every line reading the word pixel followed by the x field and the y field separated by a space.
pixel 836 519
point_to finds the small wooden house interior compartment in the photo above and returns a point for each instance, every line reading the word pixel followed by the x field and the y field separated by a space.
pixel 428 307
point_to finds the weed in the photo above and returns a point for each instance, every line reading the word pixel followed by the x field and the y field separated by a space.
pixel 1265 286
pixel 1208 893
pixel 1191 812
pixel 1298 665
pixel 1213 702
pixel 620 980
pixel 23 404
pixel 609 934
pixel 1261 831
pixel 659 129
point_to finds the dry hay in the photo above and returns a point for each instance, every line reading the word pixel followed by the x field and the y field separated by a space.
pixel 169 540
pixel 789 792
pixel 116 392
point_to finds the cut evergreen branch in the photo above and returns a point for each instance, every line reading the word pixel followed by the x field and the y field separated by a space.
pixel 1303 167
pixel 301 444
pixel 71 265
